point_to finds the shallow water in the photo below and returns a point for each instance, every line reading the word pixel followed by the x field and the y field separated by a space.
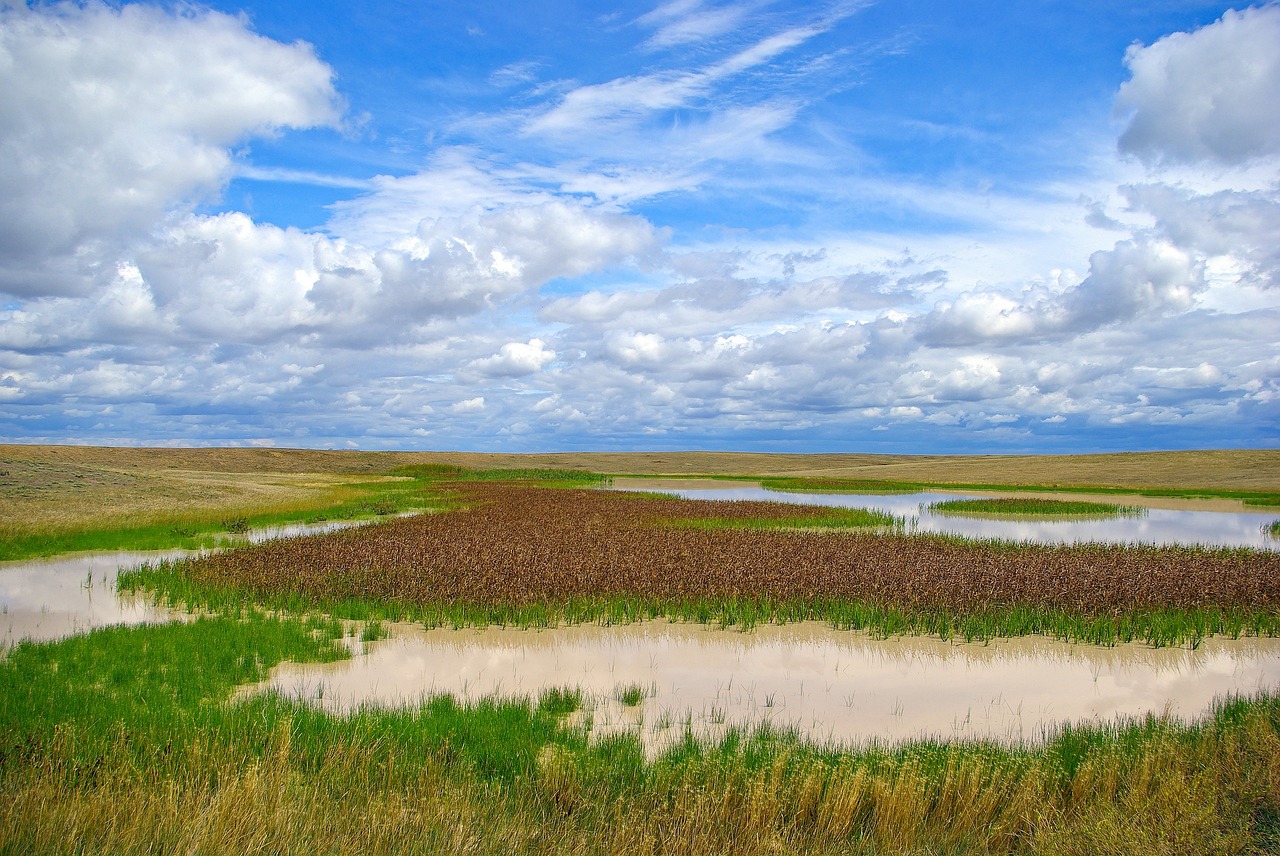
pixel 1175 526
pixel 831 685
pixel 834 686
pixel 50 598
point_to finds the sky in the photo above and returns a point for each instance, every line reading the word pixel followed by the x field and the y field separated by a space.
pixel 907 226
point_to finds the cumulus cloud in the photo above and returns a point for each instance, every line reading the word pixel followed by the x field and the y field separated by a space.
pixel 1136 278
pixel 1209 95
pixel 515 359
pixel 1242 224
pixel 109 117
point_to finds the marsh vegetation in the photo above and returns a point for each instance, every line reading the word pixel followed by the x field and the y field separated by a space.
pixel 130 739
pixel 1019 506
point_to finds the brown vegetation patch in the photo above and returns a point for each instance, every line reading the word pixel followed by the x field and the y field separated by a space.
pixel 522 545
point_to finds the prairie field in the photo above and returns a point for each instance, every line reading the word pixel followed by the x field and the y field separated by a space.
pixel 132 739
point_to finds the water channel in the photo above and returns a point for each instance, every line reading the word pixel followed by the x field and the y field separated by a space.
pixel 830 685
pixel 1209 523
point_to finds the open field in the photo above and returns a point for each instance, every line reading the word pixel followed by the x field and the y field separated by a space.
pixel 128 739
pixel 1222 470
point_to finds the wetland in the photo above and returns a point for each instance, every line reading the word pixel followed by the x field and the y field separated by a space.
pixel 541 666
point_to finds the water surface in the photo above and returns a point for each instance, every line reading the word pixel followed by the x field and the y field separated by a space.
pixel 1185 525
pixel 51 598
pixel 831 685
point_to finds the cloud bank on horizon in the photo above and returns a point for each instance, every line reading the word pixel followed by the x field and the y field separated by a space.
pixel 752 225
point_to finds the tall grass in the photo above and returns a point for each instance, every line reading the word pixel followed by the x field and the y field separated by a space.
pixel 127 740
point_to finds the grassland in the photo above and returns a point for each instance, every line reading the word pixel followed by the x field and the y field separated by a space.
pixel 129 740
pixel 124 740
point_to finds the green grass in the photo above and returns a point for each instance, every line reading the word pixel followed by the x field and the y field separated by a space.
pixel 825 518
pixel 129 740
pixel 551 477
pixel 1273 529
pixel 1037 507
pixel 632 694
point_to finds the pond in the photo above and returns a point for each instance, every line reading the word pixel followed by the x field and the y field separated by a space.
pixel 52 598
pixel 1213 523
pixel 831 685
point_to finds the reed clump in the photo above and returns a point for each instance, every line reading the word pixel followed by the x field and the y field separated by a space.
pixel 1021 506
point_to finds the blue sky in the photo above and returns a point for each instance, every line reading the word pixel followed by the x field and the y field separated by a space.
pixel 849 226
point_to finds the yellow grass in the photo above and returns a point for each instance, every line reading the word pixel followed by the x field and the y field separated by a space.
pixel 1177 795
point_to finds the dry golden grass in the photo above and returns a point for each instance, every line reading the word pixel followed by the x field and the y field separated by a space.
pixel 58 488
pixel 1251 470
pixel 1165 794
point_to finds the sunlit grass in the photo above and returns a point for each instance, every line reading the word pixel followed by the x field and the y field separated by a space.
pixel 129 740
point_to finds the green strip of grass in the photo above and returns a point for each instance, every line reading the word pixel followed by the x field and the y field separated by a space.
pixel 1028 506
pixel 825 518
pixel 551 477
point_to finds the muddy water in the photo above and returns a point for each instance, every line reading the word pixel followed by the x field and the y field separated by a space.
pixel 1214 523
pixel 51 598
pixel 834 686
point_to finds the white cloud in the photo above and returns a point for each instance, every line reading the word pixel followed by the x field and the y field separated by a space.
pixel 516 359
pixel 1209 95
pixel 111 117
pixel 485 298
pixel 689 21
pixel 625 100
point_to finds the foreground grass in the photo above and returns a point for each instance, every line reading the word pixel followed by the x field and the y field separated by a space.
pixel 128 740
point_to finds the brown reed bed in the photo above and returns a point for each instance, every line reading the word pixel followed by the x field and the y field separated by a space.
pixel 519 545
